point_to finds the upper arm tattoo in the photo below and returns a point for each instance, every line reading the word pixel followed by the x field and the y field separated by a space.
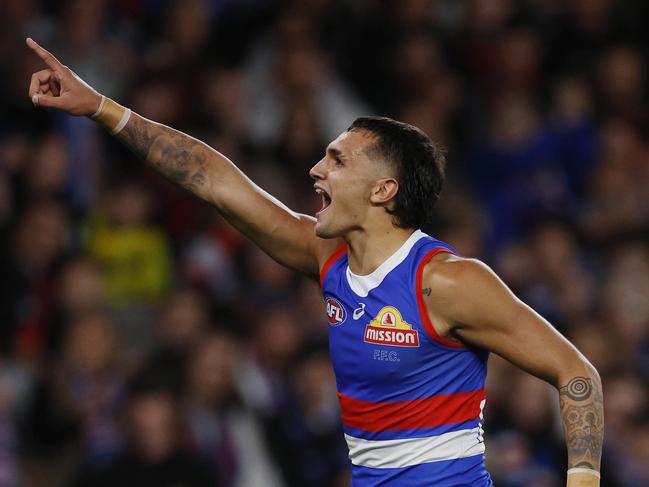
pixel 583 421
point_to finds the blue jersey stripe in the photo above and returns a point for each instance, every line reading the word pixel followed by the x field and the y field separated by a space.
pixel 459 373
pixel 463 472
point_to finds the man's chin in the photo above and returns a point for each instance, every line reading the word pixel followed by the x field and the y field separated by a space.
pixel 322 231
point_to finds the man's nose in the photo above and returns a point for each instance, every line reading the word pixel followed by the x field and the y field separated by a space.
pixel 317 171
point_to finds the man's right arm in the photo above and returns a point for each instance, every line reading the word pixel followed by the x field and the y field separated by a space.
pixel 287 236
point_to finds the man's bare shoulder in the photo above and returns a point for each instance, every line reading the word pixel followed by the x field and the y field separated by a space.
pixel 445 266
pixel 448 278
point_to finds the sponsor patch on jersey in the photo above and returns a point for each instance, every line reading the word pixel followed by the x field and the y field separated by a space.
pixel 336 314
pixel 388 328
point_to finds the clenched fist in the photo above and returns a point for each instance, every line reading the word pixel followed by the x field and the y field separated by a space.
pixel 59 88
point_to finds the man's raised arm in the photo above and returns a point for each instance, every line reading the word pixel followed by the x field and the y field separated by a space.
pixel 288 237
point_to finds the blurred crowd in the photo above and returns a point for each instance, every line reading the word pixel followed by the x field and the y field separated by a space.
pixel 144 342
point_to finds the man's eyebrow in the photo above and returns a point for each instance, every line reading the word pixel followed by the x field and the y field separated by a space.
pixel 335 152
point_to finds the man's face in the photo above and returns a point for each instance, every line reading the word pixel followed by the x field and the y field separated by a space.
pixel 344 178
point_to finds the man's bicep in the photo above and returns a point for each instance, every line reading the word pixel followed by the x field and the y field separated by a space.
pixel 487 314
pixel 527 340
pixel 286 236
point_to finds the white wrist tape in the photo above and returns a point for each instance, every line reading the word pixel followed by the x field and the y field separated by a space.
pixel 101 107
pixel 589 471
pixel 111 115
pixel 122 122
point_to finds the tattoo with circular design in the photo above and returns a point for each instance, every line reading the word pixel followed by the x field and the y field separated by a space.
pixel 578 389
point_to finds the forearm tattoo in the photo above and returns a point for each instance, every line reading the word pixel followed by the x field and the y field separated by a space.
pixel 180 158
pixel 583 422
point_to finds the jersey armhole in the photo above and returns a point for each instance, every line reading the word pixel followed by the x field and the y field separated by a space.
pixel 421 304
pixel 330 261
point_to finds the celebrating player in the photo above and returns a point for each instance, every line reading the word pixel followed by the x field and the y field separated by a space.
pixel 411 323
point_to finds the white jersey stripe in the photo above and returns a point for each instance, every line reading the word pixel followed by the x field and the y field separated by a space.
pixel 414 451
pixel 362 285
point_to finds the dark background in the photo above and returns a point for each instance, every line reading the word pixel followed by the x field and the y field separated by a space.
pixel 144 342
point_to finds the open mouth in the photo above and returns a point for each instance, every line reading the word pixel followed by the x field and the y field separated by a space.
pixel 326 200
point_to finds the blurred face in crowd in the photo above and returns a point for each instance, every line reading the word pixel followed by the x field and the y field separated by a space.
pixel 625 399
pixel 41 236
pixel 534 407
pixel 183 320
pixel 511 452
pixel 298 66
pixel 153 424
pixel 81 288
pixel 519 61
pixel 345 178
pixel 315 382
pixel 622 75
pixel 91 344
pixel 514 121
pixel 129 205
pixel 48 169
pixel 211 370
pixel 278 337
pixel 489 15
pixel 265 272
pixel 82 21
pixel 6 199
pixel 188 25
pixel 626 292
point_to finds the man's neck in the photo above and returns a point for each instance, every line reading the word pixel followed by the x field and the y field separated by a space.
pixel 369 249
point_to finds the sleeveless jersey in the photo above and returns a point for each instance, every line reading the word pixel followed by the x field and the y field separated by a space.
pixel 411 400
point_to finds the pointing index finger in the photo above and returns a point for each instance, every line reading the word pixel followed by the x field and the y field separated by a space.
pixel 44 54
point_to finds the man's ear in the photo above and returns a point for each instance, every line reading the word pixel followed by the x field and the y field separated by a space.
pixel 384 191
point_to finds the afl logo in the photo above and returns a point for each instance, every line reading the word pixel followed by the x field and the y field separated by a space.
pixel 336 314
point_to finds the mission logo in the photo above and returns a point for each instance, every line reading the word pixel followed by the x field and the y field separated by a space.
pixel 336 314
pixel 388 328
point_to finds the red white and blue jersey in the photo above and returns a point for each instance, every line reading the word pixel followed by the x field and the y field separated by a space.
pixel 411 400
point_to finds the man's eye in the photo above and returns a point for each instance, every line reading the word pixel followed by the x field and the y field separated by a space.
pixel 339 162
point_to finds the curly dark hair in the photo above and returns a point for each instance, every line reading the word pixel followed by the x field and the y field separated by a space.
pixel 419 165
